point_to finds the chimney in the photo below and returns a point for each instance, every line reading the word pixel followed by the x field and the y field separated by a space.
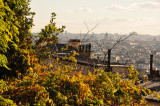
pixel 151 64
pixel 109 60
pixel 83 48
pixel 89 46
pixel 86 47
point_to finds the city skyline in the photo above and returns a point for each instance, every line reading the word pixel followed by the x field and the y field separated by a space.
pixel 113 16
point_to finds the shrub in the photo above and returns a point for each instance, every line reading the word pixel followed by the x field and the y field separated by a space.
pixel 57 87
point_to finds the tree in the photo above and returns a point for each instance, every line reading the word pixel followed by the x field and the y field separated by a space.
pixel 15 37
pixel 47 37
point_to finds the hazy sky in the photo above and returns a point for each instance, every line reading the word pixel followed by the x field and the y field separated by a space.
pixel 113 16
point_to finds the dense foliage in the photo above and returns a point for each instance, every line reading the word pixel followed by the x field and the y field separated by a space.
pixel 57 87
pixel 15 37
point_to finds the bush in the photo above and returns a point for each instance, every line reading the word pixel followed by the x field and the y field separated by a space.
pixel 59 88
pixel 6 102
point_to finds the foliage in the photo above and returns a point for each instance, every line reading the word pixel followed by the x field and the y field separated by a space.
pixel 59 87
pixel 48 37
pixel 6 102
pixel 51 30
pixel 8 32
pixel 133 75
pixel 15 37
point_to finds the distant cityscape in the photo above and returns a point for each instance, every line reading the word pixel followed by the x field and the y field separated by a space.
pixel 134 50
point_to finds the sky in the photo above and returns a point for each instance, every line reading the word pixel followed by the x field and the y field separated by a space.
pixel 112 16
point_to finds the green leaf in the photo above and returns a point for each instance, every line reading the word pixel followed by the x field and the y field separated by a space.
pixel 3 61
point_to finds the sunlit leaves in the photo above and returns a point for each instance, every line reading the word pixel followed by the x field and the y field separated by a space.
pixel 15 37
pixel 3 61
pixel 6 102
pixel 60 88
pixel 47 39
pixel 51 30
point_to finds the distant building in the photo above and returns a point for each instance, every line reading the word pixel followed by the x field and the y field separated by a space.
pixel 75 43
pixel 106 36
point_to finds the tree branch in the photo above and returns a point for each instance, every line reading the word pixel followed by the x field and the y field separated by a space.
pixel 89 30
